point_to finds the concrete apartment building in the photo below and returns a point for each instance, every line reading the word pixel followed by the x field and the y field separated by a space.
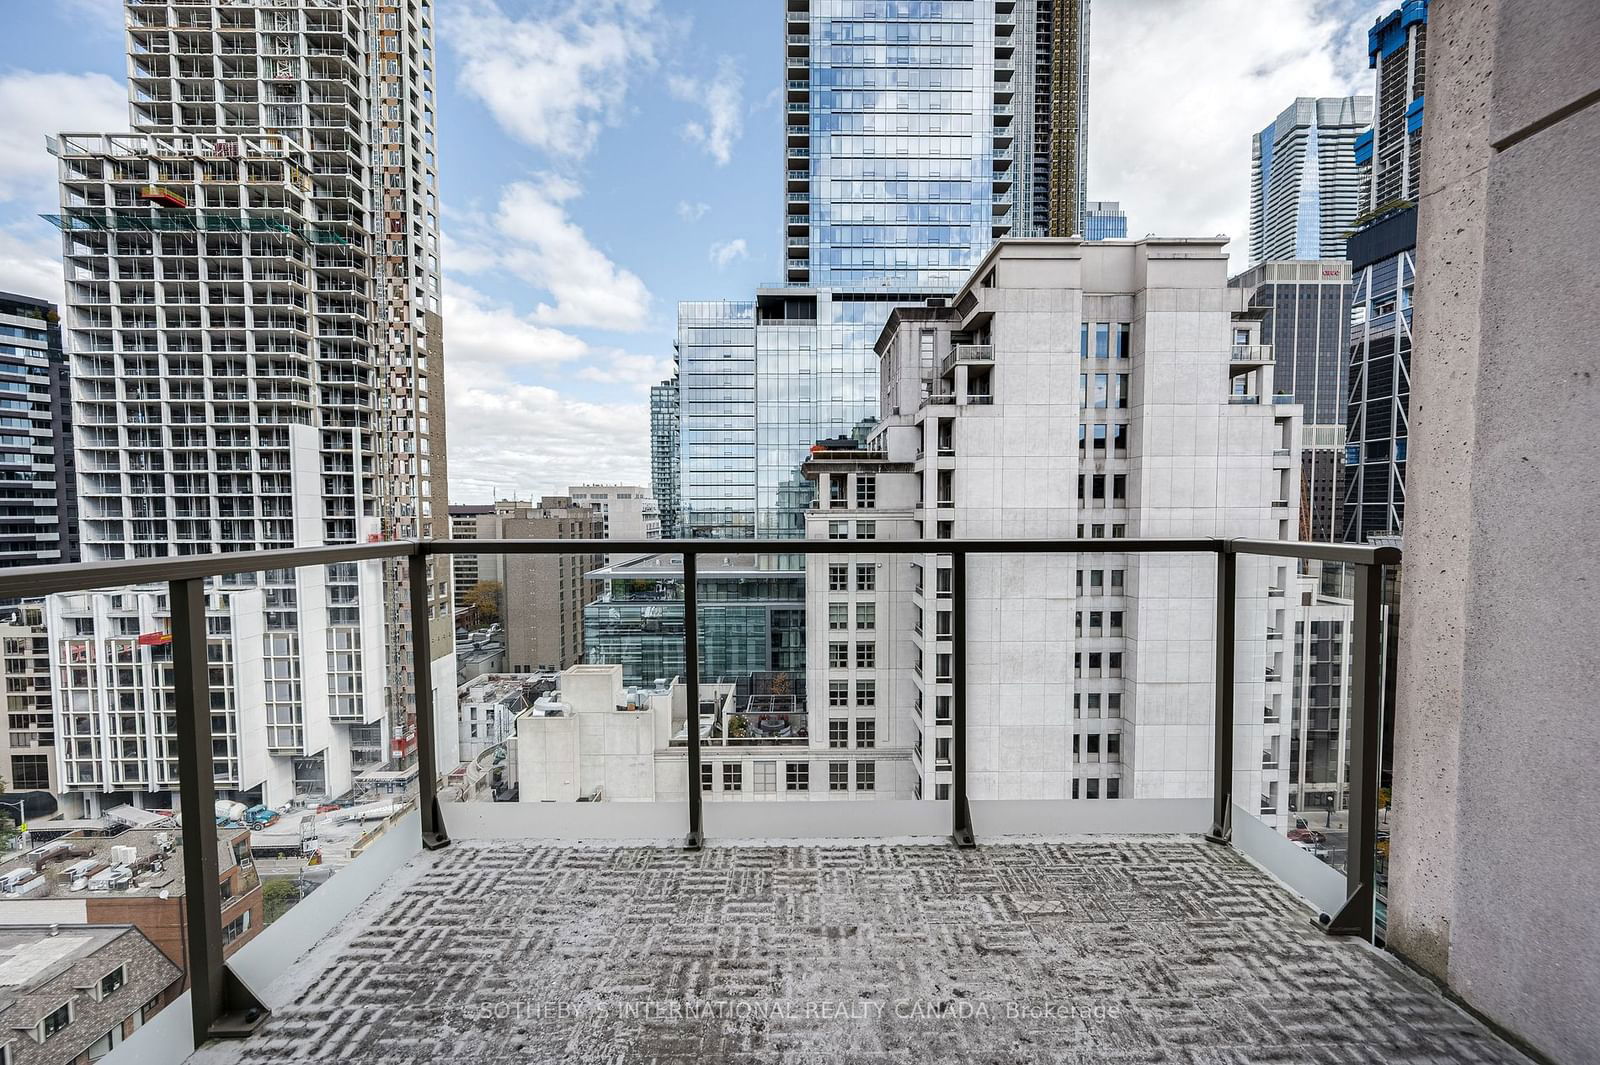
pixel 627 512
pixel 70 996
pixel 252 323
pixel 132 878
pixel 543 596
pixel 1070 390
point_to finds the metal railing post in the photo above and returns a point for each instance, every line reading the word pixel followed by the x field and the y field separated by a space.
pixel 1222 767
pixel 960 809
pixel 691 667
pixel 221 1005
pixel 1355 917
pixel 434 835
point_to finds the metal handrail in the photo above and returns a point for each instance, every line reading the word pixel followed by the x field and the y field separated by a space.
pixel 222 1005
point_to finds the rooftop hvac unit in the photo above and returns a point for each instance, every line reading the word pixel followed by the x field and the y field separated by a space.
pixel 13 877
pixel 122 854
pixel 82 868
pixel 38 883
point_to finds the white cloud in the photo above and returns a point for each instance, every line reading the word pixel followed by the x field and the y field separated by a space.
pixel 636 371
pixel 484 340
pixel 35 105
pixel 530 440
pixel 724 252
pixel 722 95
pixel 30 260
pixel 692 212
pixel 554 78
pixel 1175 150
pixel 532 236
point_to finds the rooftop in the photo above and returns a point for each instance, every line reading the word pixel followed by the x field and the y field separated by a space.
pixel 32 954
pixel 1156 949
pixel 137 862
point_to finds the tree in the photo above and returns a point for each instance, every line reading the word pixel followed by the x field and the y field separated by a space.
pixel 277 896
pixel 483 604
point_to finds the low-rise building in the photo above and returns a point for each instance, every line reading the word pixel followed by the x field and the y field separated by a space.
pixel 490 702
pixel 594 739
pixel 72 995
pixel 134 878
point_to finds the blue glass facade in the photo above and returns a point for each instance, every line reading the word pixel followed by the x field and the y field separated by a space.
pixel 903 158
pixel 911 127
pixel 1104 220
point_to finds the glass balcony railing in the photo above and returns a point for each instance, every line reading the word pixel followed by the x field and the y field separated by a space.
pixel 700 748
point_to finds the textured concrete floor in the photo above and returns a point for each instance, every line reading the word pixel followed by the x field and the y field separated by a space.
pixel 1160 950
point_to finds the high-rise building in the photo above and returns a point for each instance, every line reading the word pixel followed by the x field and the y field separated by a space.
pixel 252 323
pixel 1305 184
pixel 664 435
pixel 1382 255
pixel 468 570
pixel 39 511
pixel 1105 220
pixel 626 511
pixel 1304 311
pixel 915 135
pixel 1391 149
pixel 1060 364
pixel 543 596
pixel 27 749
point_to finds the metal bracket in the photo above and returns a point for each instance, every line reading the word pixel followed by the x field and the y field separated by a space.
pixel 1222 834
pixel 694 841
pixel 242 1010
pixel 437 839
pixel 962 835
pixel 1354 917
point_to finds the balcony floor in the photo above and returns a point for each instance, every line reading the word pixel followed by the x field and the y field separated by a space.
pixel 1170 950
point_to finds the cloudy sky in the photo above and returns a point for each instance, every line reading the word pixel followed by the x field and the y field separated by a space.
pixel 603 159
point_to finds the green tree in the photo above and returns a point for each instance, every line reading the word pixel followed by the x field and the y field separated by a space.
pixel 277 896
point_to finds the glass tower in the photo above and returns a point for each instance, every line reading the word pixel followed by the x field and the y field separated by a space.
pixel 917 132
pixel 1306 186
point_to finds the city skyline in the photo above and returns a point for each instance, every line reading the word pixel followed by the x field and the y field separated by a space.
pixel 550 365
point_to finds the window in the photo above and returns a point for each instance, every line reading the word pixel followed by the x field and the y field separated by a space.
pixel 838 655
pixel 1119 486
pixel 797 776
pixel 1114 788
pixel 1123 391
pixel 732 776
pixel 866 492
pixel 866 776
pixel 838 530
pixel 766 778
pixel 1119 437
pixel 838 776
pixel 1102 340
pixel 867 655
pixel 236 928
pixel 1124 340
pixel 1083 340
pixel 866 733
pixel 30 771
pixel 1116 623
pixel 1114 704
pixel 1100 398
pixel 838 578
pixel 56 1020
pixel 1114 746
pixel 1094 788
pixel 1116 581
pixel 706 771
pixel 838 616
pixel 866 616
pixel 866 530
pixel 113 980
pixel 838 734
pixel 1074 787
pixel 838 693
pixel 866 692
pixel 866 577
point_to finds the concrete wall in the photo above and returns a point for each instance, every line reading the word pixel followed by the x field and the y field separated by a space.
pixel 1497 763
